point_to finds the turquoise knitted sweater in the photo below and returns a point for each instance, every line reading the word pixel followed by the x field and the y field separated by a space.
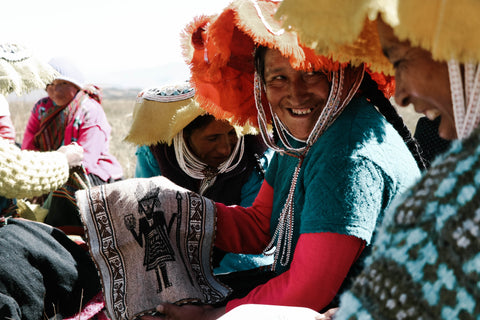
pixel 348 177
pixel 426 258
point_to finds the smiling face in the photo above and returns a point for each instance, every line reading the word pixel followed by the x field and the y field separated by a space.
pixel 213 143
pixel 297 97
pixel 61 92
pixel 420 80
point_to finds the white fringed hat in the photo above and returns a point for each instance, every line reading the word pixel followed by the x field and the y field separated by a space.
pixel 20 71
pixel 67 71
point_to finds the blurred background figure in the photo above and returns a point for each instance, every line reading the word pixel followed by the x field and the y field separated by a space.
pixel 7 130
pixel 72 112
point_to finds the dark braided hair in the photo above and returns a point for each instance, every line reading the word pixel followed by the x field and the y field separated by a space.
pixel 369 89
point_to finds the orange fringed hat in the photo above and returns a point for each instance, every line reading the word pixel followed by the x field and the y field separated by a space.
pixel 220 52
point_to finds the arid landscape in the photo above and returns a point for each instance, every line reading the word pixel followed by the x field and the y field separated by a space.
pixel 118 105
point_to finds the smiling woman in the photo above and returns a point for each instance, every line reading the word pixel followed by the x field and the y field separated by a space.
pixel 332 175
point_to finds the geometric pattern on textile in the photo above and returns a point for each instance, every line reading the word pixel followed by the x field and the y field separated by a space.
pixel 152 242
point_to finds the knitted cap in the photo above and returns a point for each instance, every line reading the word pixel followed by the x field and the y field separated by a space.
pixel 67 71
pixel 220 52
pixel 160 113
pixel 20 71
pixel 346 29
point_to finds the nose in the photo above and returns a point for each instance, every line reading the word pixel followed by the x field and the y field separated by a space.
pixel 298 91
pixel 224 147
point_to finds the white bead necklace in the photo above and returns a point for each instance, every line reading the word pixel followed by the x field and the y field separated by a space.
pixel 196 169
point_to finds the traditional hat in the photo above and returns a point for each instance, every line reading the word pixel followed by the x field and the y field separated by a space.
pixel 219 50
pixel 446 28
pixel 160 113
pixel 346 29
pixel 20 71
pixel 67 71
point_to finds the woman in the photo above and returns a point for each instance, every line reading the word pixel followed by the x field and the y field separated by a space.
pixel 332 175
pixel 72 113
pixel 429 240
pixel 178 140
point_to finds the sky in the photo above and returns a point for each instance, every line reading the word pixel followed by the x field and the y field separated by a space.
pixel 129 43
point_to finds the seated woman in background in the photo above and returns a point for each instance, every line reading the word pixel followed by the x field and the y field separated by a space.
pixel 338 163
pixel 178 140
pixel 72 113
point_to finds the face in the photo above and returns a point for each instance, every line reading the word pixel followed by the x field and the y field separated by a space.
pixel 61 92
pixel 214 143
pixel 420 80
pixel 297 97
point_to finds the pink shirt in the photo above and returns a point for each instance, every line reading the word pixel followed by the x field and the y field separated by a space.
pixel 90 129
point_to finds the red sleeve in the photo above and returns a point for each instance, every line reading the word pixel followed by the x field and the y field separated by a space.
pixel 33 125
pixel 320 264
pixel 245 230
pixel 7 131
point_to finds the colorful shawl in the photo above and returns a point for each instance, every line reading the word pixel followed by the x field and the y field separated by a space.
pixel 51 133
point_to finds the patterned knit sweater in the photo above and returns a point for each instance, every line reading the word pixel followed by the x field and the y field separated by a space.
pixel 26 174
pixel 426 259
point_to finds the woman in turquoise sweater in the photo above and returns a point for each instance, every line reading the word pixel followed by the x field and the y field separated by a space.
pixel 333 173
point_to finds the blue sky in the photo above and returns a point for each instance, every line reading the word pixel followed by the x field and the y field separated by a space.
pixel 116 41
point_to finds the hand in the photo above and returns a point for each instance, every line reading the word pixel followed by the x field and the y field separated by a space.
pixel 329 314
pixel 74 154
pixel 185 312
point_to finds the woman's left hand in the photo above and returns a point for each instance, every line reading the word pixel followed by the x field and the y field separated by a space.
pixel 185 312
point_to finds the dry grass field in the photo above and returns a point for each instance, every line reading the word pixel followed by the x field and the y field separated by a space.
pixel 118 107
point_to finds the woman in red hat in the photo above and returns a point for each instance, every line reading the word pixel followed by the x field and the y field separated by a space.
pixel 338 161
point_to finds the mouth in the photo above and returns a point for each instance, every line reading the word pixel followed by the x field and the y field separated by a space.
pixel 300 111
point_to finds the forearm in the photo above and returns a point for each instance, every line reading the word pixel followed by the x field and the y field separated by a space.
pixel 245 230
pixel 319 266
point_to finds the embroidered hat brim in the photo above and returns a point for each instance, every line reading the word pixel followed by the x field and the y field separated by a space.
pixel 20 71
pixel 160 113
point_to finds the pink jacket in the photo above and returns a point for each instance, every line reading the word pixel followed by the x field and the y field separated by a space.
pixel 90 129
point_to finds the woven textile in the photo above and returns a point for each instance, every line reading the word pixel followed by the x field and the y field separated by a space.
pixel 152 242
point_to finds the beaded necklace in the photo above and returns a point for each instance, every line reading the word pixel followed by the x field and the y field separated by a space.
pixel 336 103
pixel 195 168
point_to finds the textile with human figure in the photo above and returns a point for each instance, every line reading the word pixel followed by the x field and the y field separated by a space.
pixel 152 242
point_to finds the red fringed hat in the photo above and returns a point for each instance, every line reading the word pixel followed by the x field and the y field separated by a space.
pixel 220 52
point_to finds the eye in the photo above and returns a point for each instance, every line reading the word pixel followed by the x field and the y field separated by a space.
pixel 275 80
pixel 314 76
